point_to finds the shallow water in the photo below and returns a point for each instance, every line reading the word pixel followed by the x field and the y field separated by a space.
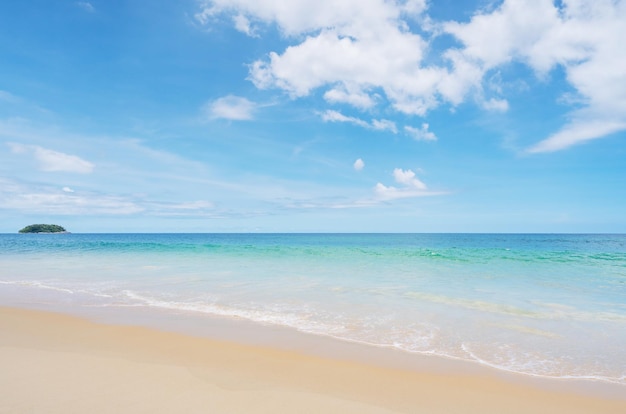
pixel 545 305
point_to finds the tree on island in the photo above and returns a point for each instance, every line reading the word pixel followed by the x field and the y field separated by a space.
pixel 43 228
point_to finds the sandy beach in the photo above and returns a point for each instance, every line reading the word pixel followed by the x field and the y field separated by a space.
pixel 56 363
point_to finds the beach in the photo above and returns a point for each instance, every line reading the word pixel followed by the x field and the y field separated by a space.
pixel 339 323
pixel 56 363
pixel 376 206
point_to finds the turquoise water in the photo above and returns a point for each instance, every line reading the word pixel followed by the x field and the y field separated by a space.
pixel 548 305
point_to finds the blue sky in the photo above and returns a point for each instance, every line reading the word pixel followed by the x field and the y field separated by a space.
pixel 313 115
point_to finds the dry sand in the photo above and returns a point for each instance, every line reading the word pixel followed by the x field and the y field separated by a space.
pixel 54 363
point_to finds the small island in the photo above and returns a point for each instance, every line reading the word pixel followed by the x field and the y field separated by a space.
pixel 43 228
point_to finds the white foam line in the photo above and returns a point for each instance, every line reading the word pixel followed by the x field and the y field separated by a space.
pixel 37 285
pixel 291 321
pixel 296 323
pixel 619 380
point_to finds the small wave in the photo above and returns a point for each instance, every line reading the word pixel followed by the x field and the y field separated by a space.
pixel 420 342
pixel 304 323
pixel 539 368
pixel 41 285
pixel 36 284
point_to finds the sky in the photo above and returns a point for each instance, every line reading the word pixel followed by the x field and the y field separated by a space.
pixel 313 115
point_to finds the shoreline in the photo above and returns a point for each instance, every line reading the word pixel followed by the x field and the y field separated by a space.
pixel 248 332
pixel 68 362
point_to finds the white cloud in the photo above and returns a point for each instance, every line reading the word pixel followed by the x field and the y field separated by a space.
pixel 362 46
pixel 494 104
pixel 377 124
pixel 408 179
pixel 411 186
pixel 413 7
pixel 359 164
pixel 384 125
pixel 231 107
pixel 421 134
pixel 335 116
pixel 577 132
pixel 86 6
pixel 28 198
pixel 47 200
pixel 53 161
pixel 353 96
pixel 243 25
pixel 296 17
pixel 584 37
pixel 357 46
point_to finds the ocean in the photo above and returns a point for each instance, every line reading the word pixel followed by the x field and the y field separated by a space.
pixel 547 305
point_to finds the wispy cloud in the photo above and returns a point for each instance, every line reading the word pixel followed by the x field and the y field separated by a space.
pixel 86 6
pixel 37 199
pixel 421 134
pixel 53 161
pixel 199 208
pixel 577 132
pixel 376 124
pixel 242 23
pixel 384 125
pixel 9 97
pixel 234 108
pixel 336 116
pixel 49 200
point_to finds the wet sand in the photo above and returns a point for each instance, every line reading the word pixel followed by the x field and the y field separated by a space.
pixel 55 363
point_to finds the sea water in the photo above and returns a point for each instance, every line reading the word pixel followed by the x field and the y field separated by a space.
pixel 550 305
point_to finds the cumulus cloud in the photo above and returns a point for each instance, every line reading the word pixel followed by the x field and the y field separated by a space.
pixel 352 96
pixel 410 186
pixel 358 164
pixel 301 16
pixel 53 161
pixel 68 190
pixel 421 134
pixel 234 108
pixel 358 46
pixel 367 54
pixel 408 178
pixel 584 37
pixel 377 124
